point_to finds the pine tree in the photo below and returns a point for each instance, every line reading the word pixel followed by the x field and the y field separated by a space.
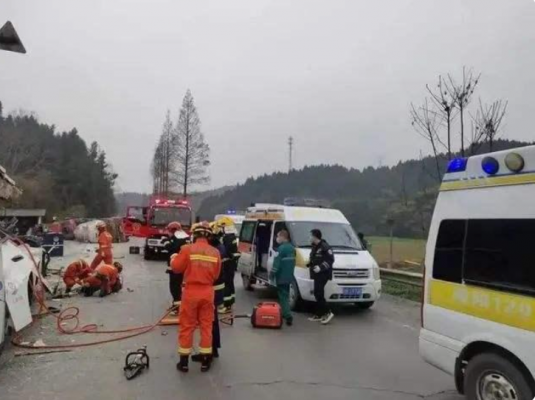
pixel 192 152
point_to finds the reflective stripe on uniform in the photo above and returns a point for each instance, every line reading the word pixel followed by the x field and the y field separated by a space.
pixel 200 257
pixel 205 350
pixel 225 259
pixel 219 287
pixel 184 351
pixel 227 298
pixel 235 241
pixel 177 303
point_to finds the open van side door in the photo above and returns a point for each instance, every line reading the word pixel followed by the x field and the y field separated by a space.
pixel 247 248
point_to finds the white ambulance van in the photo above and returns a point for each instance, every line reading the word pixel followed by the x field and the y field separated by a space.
pixel 478 311
pixel 355 272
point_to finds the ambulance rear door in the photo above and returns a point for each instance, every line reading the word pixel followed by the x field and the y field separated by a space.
pixel 246 263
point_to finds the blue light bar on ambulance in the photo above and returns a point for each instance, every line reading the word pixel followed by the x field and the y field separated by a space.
pixel 457 165
pixel 490 165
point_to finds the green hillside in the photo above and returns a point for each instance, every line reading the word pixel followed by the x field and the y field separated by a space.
pixel 405 193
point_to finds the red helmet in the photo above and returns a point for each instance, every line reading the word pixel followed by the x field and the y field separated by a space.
pixel 174 225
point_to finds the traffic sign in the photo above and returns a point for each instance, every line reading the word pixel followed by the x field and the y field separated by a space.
pixel 9 40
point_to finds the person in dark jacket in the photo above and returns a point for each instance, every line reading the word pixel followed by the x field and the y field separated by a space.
pixel 173 243
pixel 282 273
pixel 226 230
pixel 321 271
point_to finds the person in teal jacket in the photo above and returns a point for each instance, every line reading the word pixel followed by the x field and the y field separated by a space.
pixel 282 273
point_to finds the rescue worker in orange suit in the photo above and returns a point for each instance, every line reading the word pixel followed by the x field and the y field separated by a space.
pixel 173 243
pixel 201 265
pixel 219 288
pixel 106 278
pixel 75 273
pixel 104 247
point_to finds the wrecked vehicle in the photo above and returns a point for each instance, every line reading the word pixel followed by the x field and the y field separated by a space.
pixel 16 267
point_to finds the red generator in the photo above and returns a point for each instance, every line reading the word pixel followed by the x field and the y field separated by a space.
pixel 267 315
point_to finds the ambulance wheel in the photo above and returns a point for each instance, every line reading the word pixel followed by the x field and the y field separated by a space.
pixel 296 301
pixel 491 376
pixel 248 282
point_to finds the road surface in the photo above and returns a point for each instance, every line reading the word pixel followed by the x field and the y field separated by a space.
pixel 369 355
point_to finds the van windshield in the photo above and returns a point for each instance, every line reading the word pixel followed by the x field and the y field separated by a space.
pixel 340 236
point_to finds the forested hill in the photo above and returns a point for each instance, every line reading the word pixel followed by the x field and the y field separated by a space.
pixel 405 192
pixel 56 170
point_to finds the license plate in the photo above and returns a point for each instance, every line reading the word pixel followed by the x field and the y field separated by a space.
pixel 352 292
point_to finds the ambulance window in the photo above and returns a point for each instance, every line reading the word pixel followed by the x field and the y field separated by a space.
pixel 247 231
pixel 500 253
pixel 448 262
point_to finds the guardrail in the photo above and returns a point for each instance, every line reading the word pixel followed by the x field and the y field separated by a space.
pixel 407 278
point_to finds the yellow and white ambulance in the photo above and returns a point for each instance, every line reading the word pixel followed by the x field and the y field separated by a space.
pixel 355 272
pixel 478 311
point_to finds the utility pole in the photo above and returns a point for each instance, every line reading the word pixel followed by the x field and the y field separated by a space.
pixel 290 153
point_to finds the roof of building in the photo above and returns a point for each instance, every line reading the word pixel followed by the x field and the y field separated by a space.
pixel 22 212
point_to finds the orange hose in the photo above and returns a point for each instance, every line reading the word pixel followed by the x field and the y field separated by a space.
pixel 72 314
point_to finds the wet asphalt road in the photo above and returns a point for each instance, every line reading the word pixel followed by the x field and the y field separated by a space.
pixel 362 355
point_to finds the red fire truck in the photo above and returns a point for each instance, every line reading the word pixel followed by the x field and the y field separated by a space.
pixel 151 222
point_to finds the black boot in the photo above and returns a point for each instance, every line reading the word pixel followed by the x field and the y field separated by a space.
pixel 206 362
pixel 196 357
pixel 182 365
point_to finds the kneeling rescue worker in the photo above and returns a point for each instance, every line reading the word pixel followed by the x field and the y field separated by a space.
pixel 75 273
pixel 201 265
pixel 106 278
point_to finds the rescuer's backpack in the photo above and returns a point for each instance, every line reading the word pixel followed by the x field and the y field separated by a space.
pixel 267 315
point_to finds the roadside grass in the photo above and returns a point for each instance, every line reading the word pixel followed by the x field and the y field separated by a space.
pixel 403 250
pixel 399 289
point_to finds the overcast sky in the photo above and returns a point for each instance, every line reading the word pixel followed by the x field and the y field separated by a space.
pixel 338 75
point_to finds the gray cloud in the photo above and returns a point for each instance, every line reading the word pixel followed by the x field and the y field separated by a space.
pixel 337 75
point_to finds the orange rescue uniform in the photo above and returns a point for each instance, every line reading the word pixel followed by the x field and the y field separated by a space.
pixel 104 250
pixel 106 277
pixel 75 273
pixel 201 264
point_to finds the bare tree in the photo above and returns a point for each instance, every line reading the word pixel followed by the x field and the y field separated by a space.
pixel 425 121
pixel 487 123
pixel 163 165
pixel 461 93
pixel 156 168
pixel 192 152
pixel 445 105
